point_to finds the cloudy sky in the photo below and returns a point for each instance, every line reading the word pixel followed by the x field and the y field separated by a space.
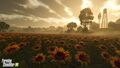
pixel 41 13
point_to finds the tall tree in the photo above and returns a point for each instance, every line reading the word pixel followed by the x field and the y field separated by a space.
pixel 86 17
pixel 4 26
pixel 71 26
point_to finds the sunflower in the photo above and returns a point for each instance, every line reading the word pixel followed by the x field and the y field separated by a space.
pixel 11 49
pixel 22 44
pixel 51 49
pixel 113 47
pixel 69 46
pixel 102 47
pixel 117 52
pixel 106 56
pixel 81 43
pixel 48 41
pixel 36 47
pixel 39 58
pixel 115 61
pixel 82 57
pixel 61 42
pixel 60 55
pixel 12 43
pixel 78 47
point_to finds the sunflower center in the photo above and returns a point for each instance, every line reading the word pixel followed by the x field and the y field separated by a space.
pixel 52 49
pixel 11 49
pixel 83 57
pixel 60 56
pixel 78 47
pixel 103 47
pixel 117 63
pixel 39 58
pixel 106 55
pixel 36 47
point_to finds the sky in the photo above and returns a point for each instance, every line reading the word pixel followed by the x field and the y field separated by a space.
pixel 44 13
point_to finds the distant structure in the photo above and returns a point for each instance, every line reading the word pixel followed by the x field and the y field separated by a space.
pixel 99 19
pixel 104 22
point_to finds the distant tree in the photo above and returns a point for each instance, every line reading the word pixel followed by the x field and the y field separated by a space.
pixel 94 26
pixel 52 28
pixel 71 26
pixel 4 26
pixel 114 25
pixel 79 29
pixel 118 21
pixel 60 29
pixel 86 17
pixel 111 23
pixel 29 27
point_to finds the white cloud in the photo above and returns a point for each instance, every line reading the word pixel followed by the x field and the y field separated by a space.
pixel 60 22
pixel 18 11
pixel 66 9
pixel 36 3
pixel 32 18
pixel 11 16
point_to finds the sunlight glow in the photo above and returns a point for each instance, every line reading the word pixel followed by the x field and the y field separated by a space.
pixel 66 9
pixel 72 19
pixel 86 4
pixel 111 4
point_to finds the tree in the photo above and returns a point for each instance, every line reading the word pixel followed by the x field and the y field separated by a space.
pixel 60 29
pixel 4 26
pixel 114 25
pixel 94 26
pixel 79 29
pixel 118 21
pixel 86 17
pixel 51 28
pixel 71 26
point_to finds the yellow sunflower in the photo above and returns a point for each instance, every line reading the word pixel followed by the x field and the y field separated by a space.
pixel 115 61
pixel 36 47
pixel 106 56
pixel 22 44
pixel 60 55
pixel 11 49
pixel 82 57
pixel 102 47
pixel 117 52
pixel 51 49
pixel 78 47
pixel 39 58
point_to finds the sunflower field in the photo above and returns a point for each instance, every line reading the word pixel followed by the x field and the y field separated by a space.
pixel 60 50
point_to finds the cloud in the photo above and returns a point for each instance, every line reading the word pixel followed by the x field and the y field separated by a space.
pixel 11 16
pixel 86 4
pixel 66 9
pixel 18 11
pixel 112 5
pixel 62 21
pixel 35 19
pixel 36 3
